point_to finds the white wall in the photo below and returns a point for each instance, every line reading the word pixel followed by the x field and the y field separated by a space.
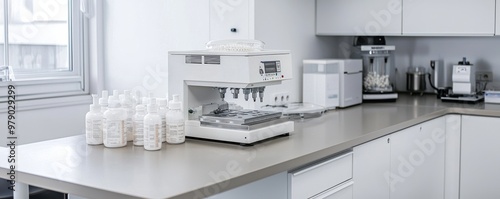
pixel 290 25
pixel 418 51
pixel 45 124
pixel 138 36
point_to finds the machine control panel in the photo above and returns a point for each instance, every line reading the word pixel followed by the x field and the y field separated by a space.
pixel 270 70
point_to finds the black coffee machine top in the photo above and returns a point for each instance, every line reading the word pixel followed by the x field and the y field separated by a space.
pixel 369 40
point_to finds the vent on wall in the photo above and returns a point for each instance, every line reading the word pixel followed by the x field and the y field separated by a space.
pixel 212 59
pixel 202 59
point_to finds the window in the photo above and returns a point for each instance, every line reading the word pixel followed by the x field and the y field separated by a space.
pixel 45 48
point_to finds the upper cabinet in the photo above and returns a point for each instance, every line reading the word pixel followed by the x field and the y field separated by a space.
pixel 497 26
pixel 358 17
pixel 449 17
pixel 407 17
pixel 231 19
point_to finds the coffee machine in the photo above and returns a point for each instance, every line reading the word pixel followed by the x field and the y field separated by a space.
pixel 204 77
pixel 378 72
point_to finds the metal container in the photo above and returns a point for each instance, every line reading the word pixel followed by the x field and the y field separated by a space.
pixel 415 80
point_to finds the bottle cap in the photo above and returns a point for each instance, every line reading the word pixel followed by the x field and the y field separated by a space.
pixel 103 101
pixel 162 101
pixel 113 102
pixel 175 103
pixel 95 103
pixel 116 94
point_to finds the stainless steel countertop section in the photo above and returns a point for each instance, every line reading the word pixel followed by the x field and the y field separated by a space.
pixel 201 168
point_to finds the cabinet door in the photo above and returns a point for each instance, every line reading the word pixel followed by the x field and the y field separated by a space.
pixel 452 157
pixel 358 17
pixel 231 19
pixel 480 158
pixel 497 26
pixel 371 166
pixel 417 161
pixel 448 17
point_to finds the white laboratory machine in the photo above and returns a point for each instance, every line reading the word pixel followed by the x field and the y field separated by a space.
pixel 202 78
pixel 464 83
pixel 333 83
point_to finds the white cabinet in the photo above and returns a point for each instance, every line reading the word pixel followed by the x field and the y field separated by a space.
pixel 480 158
pixel 407 164
pixel 358 17
pixel 274 186
pixel 448 17
pixel 322 177
pixel 342 191
pixel 371 163
pixel 452 157
pixel 231 19
pixel 417 161
pixel 497 20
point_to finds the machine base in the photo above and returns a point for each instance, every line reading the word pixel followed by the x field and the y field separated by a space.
pixel 243 137
pixel 467 99
pixel 380 97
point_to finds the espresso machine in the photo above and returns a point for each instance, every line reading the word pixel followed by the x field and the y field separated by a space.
pixel 378 73
pixel 203 78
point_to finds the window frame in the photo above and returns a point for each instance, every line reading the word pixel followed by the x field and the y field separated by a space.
pixel 38 86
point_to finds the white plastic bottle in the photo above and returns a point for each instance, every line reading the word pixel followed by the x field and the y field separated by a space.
pixel 140 112
pixel 93 123
pixel 114 124
pixel 127 105
pixel 162 111
pixel 175 122
pixel 152 128
pixel 103 101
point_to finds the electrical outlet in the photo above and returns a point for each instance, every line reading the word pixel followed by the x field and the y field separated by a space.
pixel 484 76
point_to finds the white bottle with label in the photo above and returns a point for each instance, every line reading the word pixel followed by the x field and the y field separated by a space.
pixel 162 111
pixel 114 124
pixel 93 123
pixel 103 101
pixel 127 104
pixel 140 112
pixel 152 128
pixel 175 122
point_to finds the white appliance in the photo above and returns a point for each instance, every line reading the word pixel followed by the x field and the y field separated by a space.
pixel 203 77
pixel 464 79
pixel 333 82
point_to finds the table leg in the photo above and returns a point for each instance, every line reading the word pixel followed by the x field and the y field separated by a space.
pixel 22 191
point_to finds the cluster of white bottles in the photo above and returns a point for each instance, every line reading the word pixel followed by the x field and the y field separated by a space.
pixel 114 120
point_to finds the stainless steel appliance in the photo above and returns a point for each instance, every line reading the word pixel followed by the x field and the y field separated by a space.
pixel 332 82
pixel 203 77
pixel 415 80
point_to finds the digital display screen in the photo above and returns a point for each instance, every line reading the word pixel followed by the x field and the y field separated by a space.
pixel 270 67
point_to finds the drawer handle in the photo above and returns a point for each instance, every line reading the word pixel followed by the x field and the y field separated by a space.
pixel 334 190
pixel 320 164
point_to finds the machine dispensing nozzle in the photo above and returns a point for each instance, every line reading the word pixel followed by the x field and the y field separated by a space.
pixel 261 93
pixel 254 93
pixel 222 92
pixel 246 91
pixel 235 92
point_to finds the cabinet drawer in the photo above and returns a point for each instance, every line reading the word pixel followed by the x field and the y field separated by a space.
pixel 317 178
pixel 342 191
